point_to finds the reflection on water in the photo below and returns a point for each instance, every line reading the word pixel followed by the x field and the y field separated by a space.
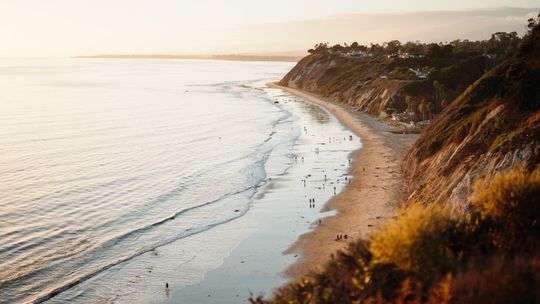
pixel 102 161
pixel 315 111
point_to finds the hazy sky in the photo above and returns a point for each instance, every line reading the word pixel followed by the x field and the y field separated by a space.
pixel 77 27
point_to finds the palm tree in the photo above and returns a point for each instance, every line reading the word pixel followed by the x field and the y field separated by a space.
pixel 423 107
pixel 411 105
pixel 430 109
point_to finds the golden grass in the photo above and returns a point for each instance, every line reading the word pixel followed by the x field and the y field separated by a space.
pixel 416 241
pixel 511 203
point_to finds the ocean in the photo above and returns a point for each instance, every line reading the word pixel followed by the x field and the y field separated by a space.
pixel 118 175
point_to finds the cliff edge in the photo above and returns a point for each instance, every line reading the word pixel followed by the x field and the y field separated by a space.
pixel 492 126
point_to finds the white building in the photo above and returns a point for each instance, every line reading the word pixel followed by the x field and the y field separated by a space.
pixel 419 74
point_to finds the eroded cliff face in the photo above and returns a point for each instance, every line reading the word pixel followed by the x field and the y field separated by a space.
pixel 492 126
pixel 357 82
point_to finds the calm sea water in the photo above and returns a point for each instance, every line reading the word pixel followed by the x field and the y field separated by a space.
pixel 102 161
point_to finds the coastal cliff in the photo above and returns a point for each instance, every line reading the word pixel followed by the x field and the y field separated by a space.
pixel 493 126
pixel 347 80
pixel 380 86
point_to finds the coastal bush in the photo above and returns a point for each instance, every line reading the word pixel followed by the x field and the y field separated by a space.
pixel 418 241
pixel 510 202
pixel 498 279
pixel 345 279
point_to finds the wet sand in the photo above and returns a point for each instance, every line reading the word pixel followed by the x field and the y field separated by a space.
pixel 373 195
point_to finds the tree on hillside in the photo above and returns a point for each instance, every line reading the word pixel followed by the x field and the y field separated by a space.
pixel 411 105
pixel 423 107
pixel 376 50
pixel 447 50
pixel 337 48
pixel 430 108
pixel 442 94
pixel 433 50
pixel 319 48
pixel 532 22
pixel 415 48
pixel 355 47
pixel 392 47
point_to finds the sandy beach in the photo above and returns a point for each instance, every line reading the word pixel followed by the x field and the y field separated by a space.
pixel 372 197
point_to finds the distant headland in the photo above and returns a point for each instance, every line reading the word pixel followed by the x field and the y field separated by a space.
pixel 234 57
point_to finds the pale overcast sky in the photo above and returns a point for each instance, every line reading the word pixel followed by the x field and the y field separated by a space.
pixel 76 27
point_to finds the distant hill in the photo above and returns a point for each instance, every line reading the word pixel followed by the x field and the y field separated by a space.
pixel 232 57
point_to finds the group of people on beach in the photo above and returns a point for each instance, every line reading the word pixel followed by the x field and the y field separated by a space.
pixel 311 203
pixel 341 237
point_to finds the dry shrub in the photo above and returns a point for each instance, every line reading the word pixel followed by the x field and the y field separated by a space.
pixel 418 241
pixel 510 202
pixel 499 280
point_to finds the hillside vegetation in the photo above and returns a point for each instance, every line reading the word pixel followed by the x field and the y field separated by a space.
pixel 428 255
pixel 492 126
pixel 470 232
pixel 396 78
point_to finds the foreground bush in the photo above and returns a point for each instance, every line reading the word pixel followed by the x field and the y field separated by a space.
pixel 511 204
pixel 417 241
pixel 499 279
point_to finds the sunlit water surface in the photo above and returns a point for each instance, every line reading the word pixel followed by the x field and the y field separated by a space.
pixel 119 175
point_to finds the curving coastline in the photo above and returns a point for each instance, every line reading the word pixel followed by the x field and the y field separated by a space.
pixel 369 200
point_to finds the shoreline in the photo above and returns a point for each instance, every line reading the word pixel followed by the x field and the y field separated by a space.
pixel 279 212
pixel 372 197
